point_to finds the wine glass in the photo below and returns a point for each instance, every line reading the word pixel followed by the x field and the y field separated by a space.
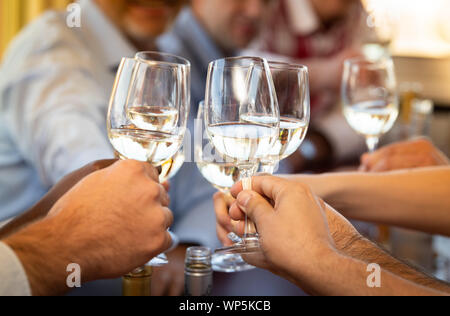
pixel 292 89
pixel 369 97
pixel 148 112
pixel 222 175
pixel 242 121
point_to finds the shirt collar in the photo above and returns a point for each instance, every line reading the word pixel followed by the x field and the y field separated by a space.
pixel 103 36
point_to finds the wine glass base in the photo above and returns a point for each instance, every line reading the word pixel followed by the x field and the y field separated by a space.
pixel 158 261
pixel 246 246
pixel 230 263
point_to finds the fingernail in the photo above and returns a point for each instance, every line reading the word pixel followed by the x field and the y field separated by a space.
pixel 244 199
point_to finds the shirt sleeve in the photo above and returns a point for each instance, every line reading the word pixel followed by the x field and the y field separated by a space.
pixel 57 118
pixel 14 281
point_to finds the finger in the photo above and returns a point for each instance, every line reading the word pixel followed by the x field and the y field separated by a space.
pixel 151 171
pixel 221 210
pixel 267 186
pixel 168 217
pixel 164 196
pixel 254 205
pixel 222 234
pixel 236 214
pixel 166 186
pixel 239 227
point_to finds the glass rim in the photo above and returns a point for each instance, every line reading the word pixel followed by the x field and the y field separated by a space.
pixel 177 60
pixel 226 60
pixel 287 66
pixel 374 63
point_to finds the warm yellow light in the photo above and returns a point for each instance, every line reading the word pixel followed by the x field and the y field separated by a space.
pixel 419 28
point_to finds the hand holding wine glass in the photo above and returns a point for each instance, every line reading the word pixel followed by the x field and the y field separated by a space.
pixel 148 113
pixel 242 120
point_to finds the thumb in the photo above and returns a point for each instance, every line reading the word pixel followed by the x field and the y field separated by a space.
pixel 254 205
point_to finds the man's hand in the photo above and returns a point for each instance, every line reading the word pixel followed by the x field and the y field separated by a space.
pixel 169 279
pixel 41 209
pixel 341 230
pixel 405 155
pixel 291 222
pixel 110 223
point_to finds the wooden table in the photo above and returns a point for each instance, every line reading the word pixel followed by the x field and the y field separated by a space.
pixel 250 283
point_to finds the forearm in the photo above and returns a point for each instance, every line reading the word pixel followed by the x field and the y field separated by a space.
pixel 417 199
pixel 364 250
pixel 342 275
pixel 42 257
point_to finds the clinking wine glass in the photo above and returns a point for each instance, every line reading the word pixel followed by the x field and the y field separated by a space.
pixel 369 97
pixel 148 111
pixel 242 121
pixel 222 175
pixel 292 88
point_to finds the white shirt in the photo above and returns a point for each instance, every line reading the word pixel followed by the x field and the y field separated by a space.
pixel 55 85
pixel 13 280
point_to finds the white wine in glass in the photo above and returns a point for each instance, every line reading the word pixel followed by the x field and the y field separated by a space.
pixel 155 118
pixel 147 116
pixel 242 121
pixel 292 88
pixel 222 175
pixel 369 97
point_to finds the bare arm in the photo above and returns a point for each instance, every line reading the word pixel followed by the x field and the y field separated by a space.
pixel 84 225
pixel 296 243
pixel 416 199
pixel 349 242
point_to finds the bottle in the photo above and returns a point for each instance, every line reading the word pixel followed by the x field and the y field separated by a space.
pixel 138 282
pixel 198 272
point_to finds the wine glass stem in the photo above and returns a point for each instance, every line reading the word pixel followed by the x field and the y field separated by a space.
pixel 250 228
pixel 372 143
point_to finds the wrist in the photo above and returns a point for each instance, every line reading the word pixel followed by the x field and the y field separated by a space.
pixel 42 258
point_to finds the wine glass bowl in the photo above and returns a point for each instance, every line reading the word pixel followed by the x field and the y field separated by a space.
pixel 369 97
pixel 291 83
pixel 242 121
pixel 222 175
pixel 147 115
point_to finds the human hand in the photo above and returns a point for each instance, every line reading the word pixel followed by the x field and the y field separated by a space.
pixel 404 155
pixel 291 222
pixel 225 225
pixel 110 223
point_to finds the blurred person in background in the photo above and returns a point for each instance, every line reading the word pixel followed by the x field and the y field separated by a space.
pixel 55 84
pixel 320 34
pixel 214 29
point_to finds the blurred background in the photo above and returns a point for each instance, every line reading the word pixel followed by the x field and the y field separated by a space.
pixel 416 33
pixel 15 14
